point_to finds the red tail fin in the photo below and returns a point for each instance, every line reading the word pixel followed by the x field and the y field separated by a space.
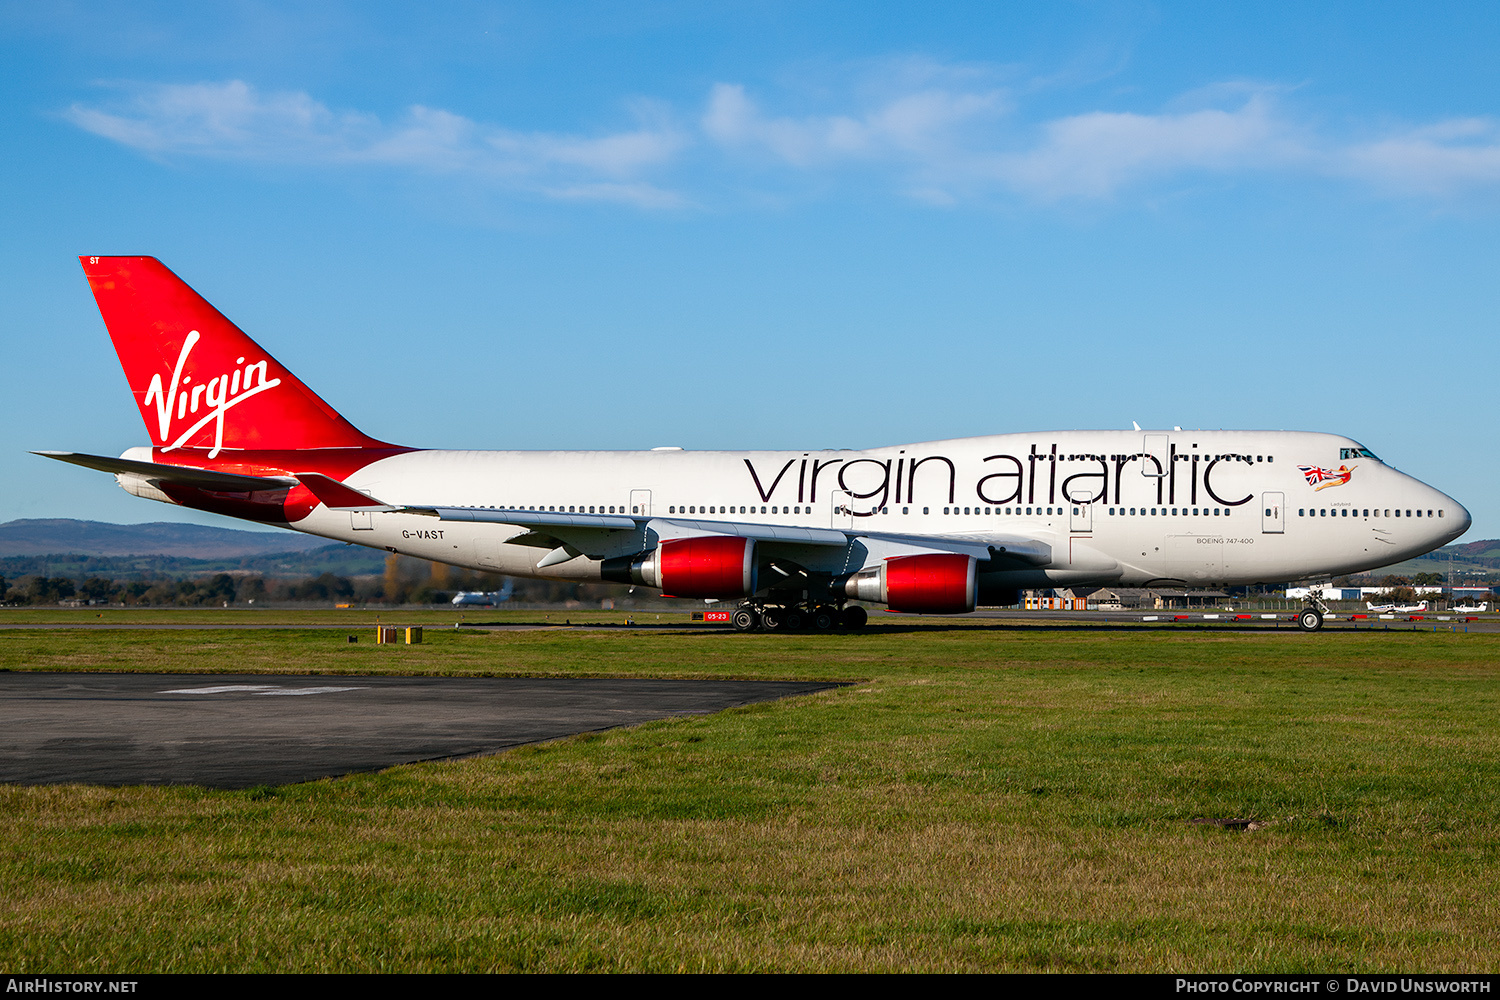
pixel 199 381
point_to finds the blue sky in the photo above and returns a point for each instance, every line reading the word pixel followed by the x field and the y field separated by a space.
pixel 767 225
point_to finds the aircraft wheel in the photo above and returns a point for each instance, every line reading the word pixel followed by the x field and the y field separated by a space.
pixel 773 619
pixel 745 620
pixel 822 619
pixel 796 621
pixel 1310 620
pixel 854 617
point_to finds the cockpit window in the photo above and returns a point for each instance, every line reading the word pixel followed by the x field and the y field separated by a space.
pixel 1357 453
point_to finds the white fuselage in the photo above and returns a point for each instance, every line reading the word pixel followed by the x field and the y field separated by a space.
pixel 1122 507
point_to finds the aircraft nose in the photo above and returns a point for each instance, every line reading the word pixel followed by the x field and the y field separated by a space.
pixel 1461 518
pixel 1456 520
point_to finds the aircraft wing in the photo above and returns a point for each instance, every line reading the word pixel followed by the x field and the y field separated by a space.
pixel 676 527
pixel 203 479
pixel 983 546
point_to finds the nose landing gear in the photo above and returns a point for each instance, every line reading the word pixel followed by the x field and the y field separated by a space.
pixel 1310 618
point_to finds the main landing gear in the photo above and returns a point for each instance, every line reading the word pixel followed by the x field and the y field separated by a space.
pixel 797 617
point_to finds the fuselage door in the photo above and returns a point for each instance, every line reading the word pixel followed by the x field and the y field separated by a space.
pixel 640 503
pixel 1154 451
pixel 842 510
pixel 1082 516
pixel 1271 517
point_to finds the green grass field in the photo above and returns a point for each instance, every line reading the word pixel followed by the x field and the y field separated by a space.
pixel 983 798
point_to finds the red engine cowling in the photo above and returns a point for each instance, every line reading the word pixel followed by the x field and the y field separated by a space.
pixel 708 566
pixel 938 583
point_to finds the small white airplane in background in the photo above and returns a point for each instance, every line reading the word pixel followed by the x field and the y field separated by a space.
pixel 1475 609
pixel 793 537
pixel 483 598
pixel 1404 609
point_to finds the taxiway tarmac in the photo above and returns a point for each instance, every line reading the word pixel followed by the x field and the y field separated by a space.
pixel 238 731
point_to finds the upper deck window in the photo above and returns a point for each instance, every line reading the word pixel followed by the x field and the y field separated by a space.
pixel 1345 453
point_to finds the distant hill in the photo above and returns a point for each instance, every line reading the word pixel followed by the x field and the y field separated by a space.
pixel 339 559
pixel 1469 561
pixel 1488 548
pixel 57 536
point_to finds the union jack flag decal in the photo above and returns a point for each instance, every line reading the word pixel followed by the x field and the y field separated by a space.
pixel 1320 478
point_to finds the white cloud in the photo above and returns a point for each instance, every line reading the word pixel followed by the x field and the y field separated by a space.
pixel 912 126
pixel 235 121
pixel 1094 155
pixel 1442 160
pixel 937 135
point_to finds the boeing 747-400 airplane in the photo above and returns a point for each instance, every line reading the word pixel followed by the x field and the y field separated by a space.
pixel 938 527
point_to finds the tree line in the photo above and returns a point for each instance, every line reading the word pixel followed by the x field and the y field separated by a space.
pixel 405 581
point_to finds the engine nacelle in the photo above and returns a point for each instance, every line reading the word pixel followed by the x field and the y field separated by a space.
pixel 705 566
pixel 939 583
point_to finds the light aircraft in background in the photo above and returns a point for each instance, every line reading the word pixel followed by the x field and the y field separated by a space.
pixel 1405 609
pixel 483 598
pixel 793 537
pixel 1472 609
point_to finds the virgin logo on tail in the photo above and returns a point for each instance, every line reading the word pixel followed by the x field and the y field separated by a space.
pixel 178 402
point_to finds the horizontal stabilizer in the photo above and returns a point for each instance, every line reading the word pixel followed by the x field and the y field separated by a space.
pixel 203 479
